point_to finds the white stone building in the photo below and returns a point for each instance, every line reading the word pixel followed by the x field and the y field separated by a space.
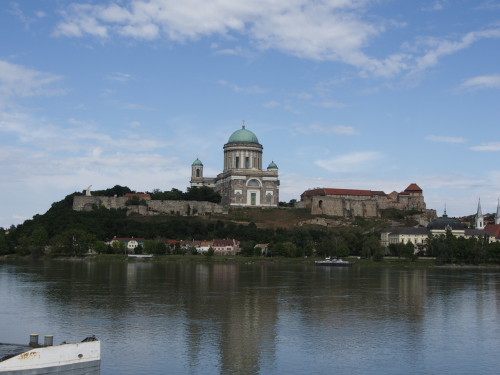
pixel 243 182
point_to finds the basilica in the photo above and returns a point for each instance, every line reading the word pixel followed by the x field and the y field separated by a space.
pixel 242 182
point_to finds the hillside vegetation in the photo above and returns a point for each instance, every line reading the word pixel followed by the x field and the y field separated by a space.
pixel 289 232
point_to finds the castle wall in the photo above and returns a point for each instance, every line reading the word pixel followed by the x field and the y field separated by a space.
pixel 345 207
pixel 150 208
pixel 364 206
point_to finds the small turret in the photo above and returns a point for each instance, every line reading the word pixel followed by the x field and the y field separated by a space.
pixel 197 169
pixel 272 165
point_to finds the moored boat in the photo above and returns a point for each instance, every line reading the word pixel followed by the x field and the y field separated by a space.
pixel 140 256
pixel 83 358
pixel 333 262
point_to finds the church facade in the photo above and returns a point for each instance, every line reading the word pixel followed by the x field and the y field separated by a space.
pixel 242 182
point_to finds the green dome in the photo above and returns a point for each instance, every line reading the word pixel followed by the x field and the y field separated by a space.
pixel 197 162
pixel 272 165
pixel 243 136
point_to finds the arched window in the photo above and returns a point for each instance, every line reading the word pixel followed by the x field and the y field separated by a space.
pixel 253 183
pixel 320 204
pixel 197 173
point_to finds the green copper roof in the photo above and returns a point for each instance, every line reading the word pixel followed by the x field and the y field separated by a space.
pixel 243 136
pixel 272 165
pixel 197 162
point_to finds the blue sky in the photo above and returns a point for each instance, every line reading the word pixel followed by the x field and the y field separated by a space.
pixel 341 93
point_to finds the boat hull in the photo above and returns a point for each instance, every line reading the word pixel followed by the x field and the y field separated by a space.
pixel 334 264
pixel 70 359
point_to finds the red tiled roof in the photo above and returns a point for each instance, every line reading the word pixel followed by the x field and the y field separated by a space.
pixel 327 191
pixel 126 239
pixel 413 188
pixel 493 229
pixel 224 242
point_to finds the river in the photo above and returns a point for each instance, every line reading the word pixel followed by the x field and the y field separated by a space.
pixel 230 318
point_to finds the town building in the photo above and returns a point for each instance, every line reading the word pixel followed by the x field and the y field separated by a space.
pixel 130 243
pixel 226 246
pixel 243 182
pixel 442 226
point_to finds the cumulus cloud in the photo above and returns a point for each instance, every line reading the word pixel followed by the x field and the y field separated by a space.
pixel 325 30
pixel 349 162
pixel 445 139
pixel 482 82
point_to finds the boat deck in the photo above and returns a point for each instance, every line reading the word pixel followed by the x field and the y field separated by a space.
pixel 9 350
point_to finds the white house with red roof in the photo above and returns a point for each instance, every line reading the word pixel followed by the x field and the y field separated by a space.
pixel 226 246
pixel 130 243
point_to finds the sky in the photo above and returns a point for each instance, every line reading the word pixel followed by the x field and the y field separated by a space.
pixel 359 94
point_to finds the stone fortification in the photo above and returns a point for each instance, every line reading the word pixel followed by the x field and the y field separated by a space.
pixel 147 207
pixel 364 203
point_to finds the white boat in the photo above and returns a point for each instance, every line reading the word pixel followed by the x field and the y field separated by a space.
pixel 140 256
pixel 333 262
pixel 83 358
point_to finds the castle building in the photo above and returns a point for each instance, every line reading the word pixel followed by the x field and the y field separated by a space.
pixel 242 182
pixel 364 203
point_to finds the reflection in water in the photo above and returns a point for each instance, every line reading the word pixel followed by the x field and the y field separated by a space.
pixel 217 318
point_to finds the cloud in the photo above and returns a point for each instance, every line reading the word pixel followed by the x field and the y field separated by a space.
pixel 437 48
pixel 482 82
pixel 436 6
pixel 349 162
pixel 445 139
pixel 20 81
pixel 330 104
pixel 139 107
pixel 119 77
pixel 491 146
pixel 271 104
pixel 334 129
pixel 323 30
pixel 246 90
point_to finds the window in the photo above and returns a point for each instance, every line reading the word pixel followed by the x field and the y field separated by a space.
pixel 237 162
pixel 247 162
pixel 197 173
pixel 253 183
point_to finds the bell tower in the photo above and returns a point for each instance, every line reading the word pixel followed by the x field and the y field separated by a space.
pixel 479 216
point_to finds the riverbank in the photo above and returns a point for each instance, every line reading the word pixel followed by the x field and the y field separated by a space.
pixel 385 262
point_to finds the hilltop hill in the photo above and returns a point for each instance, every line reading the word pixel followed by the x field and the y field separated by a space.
pixel 74 232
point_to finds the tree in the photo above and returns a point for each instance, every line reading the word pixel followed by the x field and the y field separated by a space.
pixel 4 245
pixel 38 240
pixel 210 252
pixel 118 247
pixel 343 251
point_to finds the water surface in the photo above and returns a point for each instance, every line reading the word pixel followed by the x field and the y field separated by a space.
pixel 212 318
